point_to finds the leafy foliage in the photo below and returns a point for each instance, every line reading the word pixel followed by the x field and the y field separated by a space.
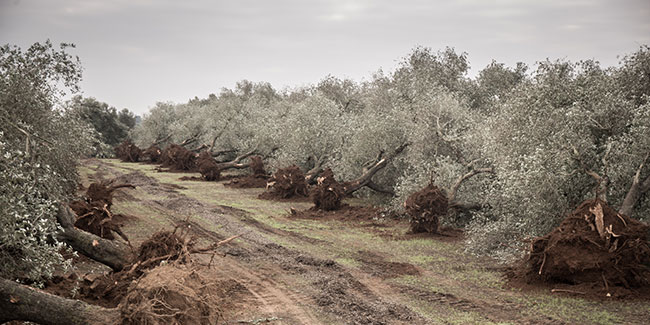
pixel 40 146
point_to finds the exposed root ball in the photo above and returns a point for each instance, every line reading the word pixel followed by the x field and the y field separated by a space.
pixel 165 244
pixel 288 182
pixel 208 167
pixel 152 154
pixel 594 244
pixel 327 195
pixel 128 152
pixel 425 207
pixel 257 165
pixel 177 158
pixel 97 219
pixel 171 294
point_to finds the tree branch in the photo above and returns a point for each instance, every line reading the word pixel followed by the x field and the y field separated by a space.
pixel 637 189
pixel 366 177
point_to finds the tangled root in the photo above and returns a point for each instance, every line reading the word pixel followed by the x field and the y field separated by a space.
pixel 128 152
pixel 329 193
pixel 593 244
pixel 425 207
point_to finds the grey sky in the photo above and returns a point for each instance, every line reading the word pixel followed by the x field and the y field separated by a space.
pixel 138 52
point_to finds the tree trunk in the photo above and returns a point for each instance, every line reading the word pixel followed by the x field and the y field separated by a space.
pixel 633 195
pixel 20 302
pixel 236 163
pixel 109 252
pixel 366 177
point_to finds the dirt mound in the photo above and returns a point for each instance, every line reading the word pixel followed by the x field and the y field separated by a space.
pixel 248 181
pixel 177 158
pixel 328 193
pixel 208 167
pixel 286 183
pixel 152 154
pixel 425 207
pixel 128 152
pixel 257 165
pixel 594 244
pixel 171 294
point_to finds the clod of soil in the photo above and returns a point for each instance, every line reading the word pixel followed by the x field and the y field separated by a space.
pixel 177 158
pixel 152 154
pixel 425 207
pixel 328 193
pixel 128 152
pixel 257 165
pixel 171 294
pixel 208 167
pixel 594 244
pixel 286 183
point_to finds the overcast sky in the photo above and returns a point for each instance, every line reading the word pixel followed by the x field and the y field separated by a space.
pixel 138 52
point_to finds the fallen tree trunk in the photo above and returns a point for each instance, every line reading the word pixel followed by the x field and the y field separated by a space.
pixel 366 178
pixel 236 163
pixel 637 189
pixel 23 303
pixel 108 252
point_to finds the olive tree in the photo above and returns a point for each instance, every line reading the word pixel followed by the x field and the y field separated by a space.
pixel 553 143
pixel 40 146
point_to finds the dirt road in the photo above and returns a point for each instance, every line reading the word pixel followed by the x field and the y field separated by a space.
pixel 285 270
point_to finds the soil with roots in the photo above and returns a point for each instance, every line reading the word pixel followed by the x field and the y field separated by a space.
pixel 425 207
pixel 127 151
pixel 208 167
pixel 595 248
pixel 171 294
pixel 152 154
pixel 286 183
pixel 257 166
pixel 328 193
pixel 177 158
pixel 94 214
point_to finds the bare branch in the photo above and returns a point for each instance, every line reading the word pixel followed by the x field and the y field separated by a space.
pixel 602 182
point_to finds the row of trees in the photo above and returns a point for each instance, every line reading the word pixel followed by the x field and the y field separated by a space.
pixel 41 141
pixel 514 149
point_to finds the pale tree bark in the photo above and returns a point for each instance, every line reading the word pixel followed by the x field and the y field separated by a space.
pixel 637 189
pixel 112 253
pixel 366 178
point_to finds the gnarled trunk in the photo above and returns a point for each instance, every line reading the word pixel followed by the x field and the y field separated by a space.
pixel 20 302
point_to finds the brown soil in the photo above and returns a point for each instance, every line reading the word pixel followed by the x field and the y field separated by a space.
pixel 378 266
pixel 171 294
pixel 248 181
pixel 152 154
pixel 594 248
pixel 208 167
pixel 328 193
pixel 97 219
pixel 93 213
pixel 286 183
pixel 128 152
pixel 425 207
pixel 257 165
pixel 344 213
pixel 177 158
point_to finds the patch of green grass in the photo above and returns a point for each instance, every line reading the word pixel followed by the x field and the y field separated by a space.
pixel 425 259
pixel 348 262
pixel 571 309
